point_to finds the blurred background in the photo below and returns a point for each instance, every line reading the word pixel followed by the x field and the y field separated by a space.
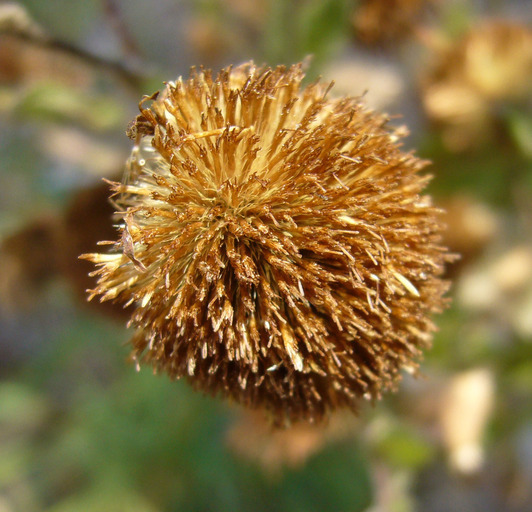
pixel 81 430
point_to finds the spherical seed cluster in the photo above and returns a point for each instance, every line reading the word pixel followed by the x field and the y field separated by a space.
pixel 274 242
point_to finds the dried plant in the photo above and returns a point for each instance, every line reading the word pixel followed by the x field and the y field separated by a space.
pixel 388 21
pixel 491 65
pixel 274 242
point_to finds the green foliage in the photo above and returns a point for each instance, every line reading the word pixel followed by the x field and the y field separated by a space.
pixel 54 102
pixel 296 30
pixel 406 448
pixel 520 127
pixel 131 439
pixel 64 18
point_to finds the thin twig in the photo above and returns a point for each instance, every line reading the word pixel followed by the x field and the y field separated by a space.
pixel 129 44
pixel 125 74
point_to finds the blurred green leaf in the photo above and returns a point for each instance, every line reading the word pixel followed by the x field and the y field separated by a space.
pixel 15 462
pixel 520 377
pixel 296 30
pixel 520 126
pixel 64 18
pixel 323 25
pixel 22 408
pixel 457 17
pixel 109 498
pixel 167 442
pixel 55 102
pixel 405 448
pixel 484 173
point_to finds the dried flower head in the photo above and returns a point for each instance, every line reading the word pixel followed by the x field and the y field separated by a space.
pixel 275 243
pixel 490 64
pixel 387 21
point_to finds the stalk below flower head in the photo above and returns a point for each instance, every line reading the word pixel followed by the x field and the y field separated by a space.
pixel 274 242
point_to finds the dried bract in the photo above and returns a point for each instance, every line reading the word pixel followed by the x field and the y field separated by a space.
pixel 275 243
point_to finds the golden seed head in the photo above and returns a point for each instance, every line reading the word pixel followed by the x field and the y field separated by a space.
pixel 274 242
